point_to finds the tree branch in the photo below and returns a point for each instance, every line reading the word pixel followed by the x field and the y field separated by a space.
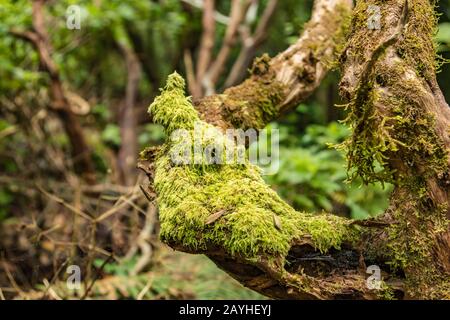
pixel 238 10
pixel 279 84
pixel 399 119
pixel 39 38
pixel 250 44
pixel 206 46
pixel 127 120
pixel 292 259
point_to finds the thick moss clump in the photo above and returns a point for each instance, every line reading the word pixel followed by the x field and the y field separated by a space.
pixel 172 109
pixel 227 205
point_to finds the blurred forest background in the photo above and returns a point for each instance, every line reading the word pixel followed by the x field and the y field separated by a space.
pixel 73 118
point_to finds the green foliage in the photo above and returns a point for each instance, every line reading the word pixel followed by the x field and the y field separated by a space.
pixel 6 199
pixel 111 135
pixel 443 36
pixel 203 280
pixel 151 135
pixel 312 175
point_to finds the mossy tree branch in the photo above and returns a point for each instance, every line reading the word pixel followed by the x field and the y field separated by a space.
pixel 276 85
pixel 399 118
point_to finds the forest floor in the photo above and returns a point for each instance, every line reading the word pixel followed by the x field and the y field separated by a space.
pixel 172 275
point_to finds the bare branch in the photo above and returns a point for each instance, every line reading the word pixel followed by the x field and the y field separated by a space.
pixel 238 10
pixel 206 45
pixel 60 104
pixel 293 74
pixel 220 18
pixel 250 44
pixel 189 65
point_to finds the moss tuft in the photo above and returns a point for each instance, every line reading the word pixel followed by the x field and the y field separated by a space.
pixel 172 109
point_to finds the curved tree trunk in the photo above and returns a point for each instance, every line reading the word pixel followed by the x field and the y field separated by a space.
pixel 399 118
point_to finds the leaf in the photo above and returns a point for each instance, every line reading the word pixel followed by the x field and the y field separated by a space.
pixel 215 216
pixel 277 222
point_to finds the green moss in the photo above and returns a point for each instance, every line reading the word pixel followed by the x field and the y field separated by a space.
pixel 379 136
pixel 254 103
pixel 189 194
pixel 340 36
pixel 395 137
pixel 171 109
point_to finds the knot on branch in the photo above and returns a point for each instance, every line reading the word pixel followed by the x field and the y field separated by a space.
pixel 261 65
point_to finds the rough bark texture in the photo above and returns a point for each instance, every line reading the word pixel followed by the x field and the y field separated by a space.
pixel 276 85
pixel 399 118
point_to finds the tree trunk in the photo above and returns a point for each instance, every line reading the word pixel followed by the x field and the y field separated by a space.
pixel 400 119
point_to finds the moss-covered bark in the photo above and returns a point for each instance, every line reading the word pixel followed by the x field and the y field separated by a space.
pixel 229 213
pixel 400 122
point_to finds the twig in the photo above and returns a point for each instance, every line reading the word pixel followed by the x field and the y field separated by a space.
pixel 11 278
pixel 97 275
pixel 206 45
pixel 114 209
pixel 67 205
pixel 237 15
pixel 145 289
pixel 189 65
pixel 250 44
pixel 50 290
pixel 220 18
pixel 55 276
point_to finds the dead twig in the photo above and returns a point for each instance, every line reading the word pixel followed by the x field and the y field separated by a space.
pixel 97 275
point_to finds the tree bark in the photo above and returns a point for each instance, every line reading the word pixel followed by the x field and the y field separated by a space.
pixel 127 119
pixel 280 83
pixel 400 119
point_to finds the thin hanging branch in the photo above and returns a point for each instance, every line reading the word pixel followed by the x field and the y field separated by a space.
pixel 237 15
pixel 206 46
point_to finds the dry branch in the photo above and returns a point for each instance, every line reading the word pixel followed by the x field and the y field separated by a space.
pixel 39 38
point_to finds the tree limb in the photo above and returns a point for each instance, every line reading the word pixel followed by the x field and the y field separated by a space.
pixel 237 14
pixel 39 38
pixel 280 83
pixel 206 46
pixel 250 44
pixel 299 270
